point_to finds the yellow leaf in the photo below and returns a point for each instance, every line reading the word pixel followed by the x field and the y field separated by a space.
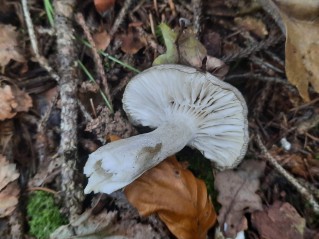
pixel 301 20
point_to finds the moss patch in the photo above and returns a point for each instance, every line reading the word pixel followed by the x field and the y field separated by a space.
pixel 44 215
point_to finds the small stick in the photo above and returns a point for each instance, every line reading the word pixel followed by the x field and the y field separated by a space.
pixel 99 66
pixel 197 13
pixel 42 61
pixel 121 16
pixel 301 189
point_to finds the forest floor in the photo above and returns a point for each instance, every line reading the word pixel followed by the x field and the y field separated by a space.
pixel 64 68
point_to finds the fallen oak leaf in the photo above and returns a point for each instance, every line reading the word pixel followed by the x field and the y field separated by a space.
pixel 179 199
pixel 302 43
pixel 237 195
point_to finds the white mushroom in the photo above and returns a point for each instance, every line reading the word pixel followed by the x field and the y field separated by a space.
pixel 187 107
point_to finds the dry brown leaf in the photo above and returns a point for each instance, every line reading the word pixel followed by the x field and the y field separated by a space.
pixel 253 25
pixel 103 6
pixel 101 39
pixel 279 221
pixel 13 100
pixel 302 43
pixel 9 47
pixel 237 195
pixel 179 199
pixel 132 42
pixel 9 189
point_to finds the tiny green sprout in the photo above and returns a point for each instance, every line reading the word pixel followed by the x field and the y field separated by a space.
pixel 43 214
pixel 91 78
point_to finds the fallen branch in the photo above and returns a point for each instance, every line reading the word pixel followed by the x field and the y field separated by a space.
pixel 302 190
pixel 66 58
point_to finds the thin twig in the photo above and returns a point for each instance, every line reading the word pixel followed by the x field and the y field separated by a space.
pixel 42 61
pixel 197 13
pixel 121 16
pixel 273 39
pixel 273 11
pixel 99 66
pixel 301 189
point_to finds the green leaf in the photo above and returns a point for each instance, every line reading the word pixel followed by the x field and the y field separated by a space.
pixel 171 54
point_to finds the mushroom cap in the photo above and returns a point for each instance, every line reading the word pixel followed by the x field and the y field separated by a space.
pixel 165 92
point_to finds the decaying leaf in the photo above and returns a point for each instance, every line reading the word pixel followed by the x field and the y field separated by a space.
pixel 9 189
pixel 132 42
pixel 301 20
pixel 9 47
pixel 13 100
pixel 279 221
pixel 101 39
pixel 186 49
pixel 179 199
pixel 191 51
pixel 237 195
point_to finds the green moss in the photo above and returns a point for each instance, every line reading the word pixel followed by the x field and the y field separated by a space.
pixel 43 213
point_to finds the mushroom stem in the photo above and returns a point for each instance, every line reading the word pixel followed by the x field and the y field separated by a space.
pixel 133 156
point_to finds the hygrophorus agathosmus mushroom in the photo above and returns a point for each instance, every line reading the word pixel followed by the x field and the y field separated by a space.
pixel 187 107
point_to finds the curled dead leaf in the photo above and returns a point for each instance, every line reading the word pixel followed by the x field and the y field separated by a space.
pixel 179 199
pixel 9 47
pixel 237 195
pixel 13 100
pixel 302 43
pixel 192 52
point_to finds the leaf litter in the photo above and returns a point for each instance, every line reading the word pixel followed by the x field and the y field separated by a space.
pixel 301 160
pixel 237 195
pixel 9 188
